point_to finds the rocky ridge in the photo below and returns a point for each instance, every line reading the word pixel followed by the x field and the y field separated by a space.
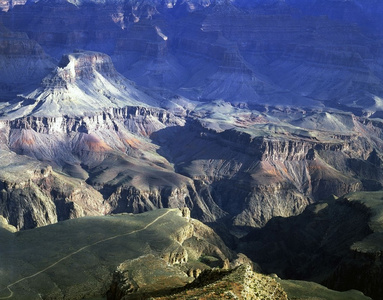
pixel 274 175
pixel 240 283
pixel 35 137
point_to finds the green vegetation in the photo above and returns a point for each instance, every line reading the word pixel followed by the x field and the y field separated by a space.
pixel 76 258
pixel 304 290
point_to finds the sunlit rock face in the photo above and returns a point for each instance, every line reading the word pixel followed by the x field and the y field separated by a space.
pixel 241 112
pixel 82 82
pixel 228 107
pixel 138 159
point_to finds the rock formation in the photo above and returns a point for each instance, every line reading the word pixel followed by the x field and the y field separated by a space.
pixel 118 138
pixel 329 241
pixel 82 83
pixel 240 283
pixel 240 111
pixel 281 52
pixel 33 195
pixel 142 158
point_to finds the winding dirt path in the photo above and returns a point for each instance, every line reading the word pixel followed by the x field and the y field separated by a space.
pixel 8 287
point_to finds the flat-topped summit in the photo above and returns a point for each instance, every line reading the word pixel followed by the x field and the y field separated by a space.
pixel 84 64
pixel 83 82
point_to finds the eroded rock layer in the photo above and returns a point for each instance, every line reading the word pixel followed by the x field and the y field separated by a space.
pixel 137 159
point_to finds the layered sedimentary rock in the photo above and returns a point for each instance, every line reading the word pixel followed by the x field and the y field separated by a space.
pixel 83 82
pixel 279 167
pixel 141 157
pixel 140 151
pixel 207 120
pixel 145 158
pixel 80 147
pixel 33 195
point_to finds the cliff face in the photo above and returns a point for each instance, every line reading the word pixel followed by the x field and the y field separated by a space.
pixel 80 65
pixel 242 112
pixel 270 170
pixel 336 243
pixel 84 82
pixel 33 195
pixel 85 149
pixel 141 158
pixel 239 162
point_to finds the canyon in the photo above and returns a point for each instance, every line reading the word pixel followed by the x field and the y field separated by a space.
pixel 249 114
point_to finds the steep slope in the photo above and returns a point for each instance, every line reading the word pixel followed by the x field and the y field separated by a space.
pixel 241 111
pixel 33 195
pixel 142 158
pixel 40 263
pixel 108 151
pixel 270 154
pixel 271 167
pixel 116 138
pixel 163 254
pixel 336 243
